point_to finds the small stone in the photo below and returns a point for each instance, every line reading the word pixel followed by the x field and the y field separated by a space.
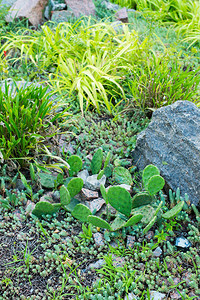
pixel 1 158
pixel 110 6
pixel 98 239
pixel 88 194
pixel 113 244
pixel 56 5
pixel 157 296
pixel 157 252
pixel 29 207
pixel 83 175
pixel 125 186
pixel 182 242
pixel 62 16
pixel 118 261
pixel 97 265
pixel 175 295
pixel 47 197
pixel 56 196
pixel 149 235
pixel 81 7
pixel 96 204
pixel 130 296
pixel 122 15
pixel 93 184
pixel 130 241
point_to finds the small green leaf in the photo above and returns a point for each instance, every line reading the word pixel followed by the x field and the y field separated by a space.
pixel 100 175
pixel 75 163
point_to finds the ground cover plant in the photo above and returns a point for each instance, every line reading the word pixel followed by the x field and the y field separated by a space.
pixel 55 242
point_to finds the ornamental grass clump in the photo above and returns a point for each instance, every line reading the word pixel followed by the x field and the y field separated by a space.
pixel 26 119
pixel 86 62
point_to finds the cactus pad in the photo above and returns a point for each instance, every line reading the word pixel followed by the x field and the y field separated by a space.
pixel 174 211
pixel 44 208
pixel 120 199
pixel 148 172
pixel 75 163
pixel 65 196
pixel 81 212
pixel 75 186
pixel 133 220
pixel 98 222
pixel 142 198
pixel 155 184
pixel 122 175
pixel 96 162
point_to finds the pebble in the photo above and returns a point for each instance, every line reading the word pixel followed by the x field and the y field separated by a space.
pixel 118 261
pixel 130 241
pixel 182 242
pixel 98 239
pixel 83 175
pixel 93 184
pixel 97 265
pixel 157 252
pixel 157 296
pixel 88 194
pixel 130 296
pixel 96 204
pixel 29 207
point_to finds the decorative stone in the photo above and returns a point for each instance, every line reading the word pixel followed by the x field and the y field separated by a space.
pixel 83 175
pixel 157 252
pixel 172 143
pixel 96 205
pixel 29 207
pixel 130 296
pixel 125 186
pixel 98 239
pixel 88 194
pixel 81 7
pixel 122 15
pixel 156 295
pixel 93 184
pixel 62 16
pixel 175 295
pixel 118 261
pixel 110 6
pixel 97 265
pixel 57 5
pixel 30 9
pixel 130 241
pixel 149 235
pixel 182 242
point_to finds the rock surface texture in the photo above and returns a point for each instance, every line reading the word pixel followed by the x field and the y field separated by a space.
pixel 30 9
pixel 172 143
pixel 81 7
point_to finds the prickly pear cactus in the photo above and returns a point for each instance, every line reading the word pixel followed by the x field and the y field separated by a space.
pixel 140 199
pixel 117 223
pixel 96 162
pixel 148 172
pixel 122 175
pixel 103 193
pixel 98 222
pixel 147 211
pixel 174 211
pixel 81 212
pixel 133 220
pixel 65 196
pixel 149 225
pixel 75 186
pixel 120 199
pixel 155 184
pixel 45 208
pixel 75 163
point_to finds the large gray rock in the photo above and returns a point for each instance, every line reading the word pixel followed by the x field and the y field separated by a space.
pixel 172 143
